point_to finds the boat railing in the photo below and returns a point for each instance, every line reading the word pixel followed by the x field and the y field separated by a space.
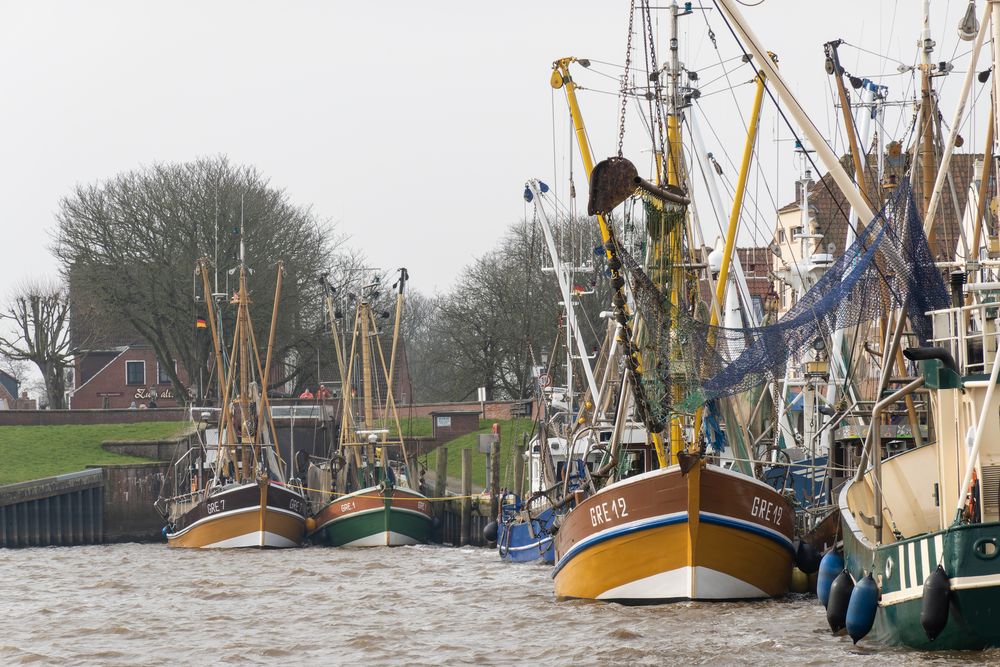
pixel 971 333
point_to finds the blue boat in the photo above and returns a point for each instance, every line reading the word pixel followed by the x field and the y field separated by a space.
pixel 523 537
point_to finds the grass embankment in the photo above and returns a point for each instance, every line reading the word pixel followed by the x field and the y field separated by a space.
pixel 415 427
pixel 512 432
pixel 33 452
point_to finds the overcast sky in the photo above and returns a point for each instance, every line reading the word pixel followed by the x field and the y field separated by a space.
pixel 410 125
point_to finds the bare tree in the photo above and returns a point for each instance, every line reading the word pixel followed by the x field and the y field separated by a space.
pixel 489 330
pixel 129 245
pixel 38 314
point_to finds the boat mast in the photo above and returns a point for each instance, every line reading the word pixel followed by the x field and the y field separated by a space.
pixel 561 79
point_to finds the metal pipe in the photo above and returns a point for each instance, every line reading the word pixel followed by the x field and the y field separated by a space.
pixel 956 123
pixel 877 449
pixel 977 440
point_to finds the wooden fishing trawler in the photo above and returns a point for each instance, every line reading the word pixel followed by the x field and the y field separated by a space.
pixel 238 493
pixel 365 491
pixel 666 524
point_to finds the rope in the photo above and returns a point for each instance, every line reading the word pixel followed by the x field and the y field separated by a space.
pixel 335 493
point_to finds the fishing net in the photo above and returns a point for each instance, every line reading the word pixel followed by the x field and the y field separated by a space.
pixel 686 362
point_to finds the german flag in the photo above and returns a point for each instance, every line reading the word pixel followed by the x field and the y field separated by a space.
pixel 200 323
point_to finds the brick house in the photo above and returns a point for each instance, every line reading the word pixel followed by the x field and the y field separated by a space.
pixel 115 378
pixel 113 365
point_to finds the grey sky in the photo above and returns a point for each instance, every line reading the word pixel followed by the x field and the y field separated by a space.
pixel 411 125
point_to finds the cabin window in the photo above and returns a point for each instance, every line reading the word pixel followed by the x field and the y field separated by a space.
pixel 161 375
pixel 135 372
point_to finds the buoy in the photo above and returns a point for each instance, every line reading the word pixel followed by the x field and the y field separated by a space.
pixel 490 532
pixel 831 565
pixel 800 581
pixel 806 558
pixel 934 607
pixel 862 607
pixel 310 524
pixel 840 598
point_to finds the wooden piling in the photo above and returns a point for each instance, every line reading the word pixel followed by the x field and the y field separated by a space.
pixel 441 478
pixel 466 526
pixel 518 486
pixel 494 479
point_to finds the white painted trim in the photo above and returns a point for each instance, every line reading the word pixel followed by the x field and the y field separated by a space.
pixel 383 539
pixel 98 373
pixel 135 361
pixel 691 583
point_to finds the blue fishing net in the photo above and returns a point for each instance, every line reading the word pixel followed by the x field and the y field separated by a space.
pixel 687 362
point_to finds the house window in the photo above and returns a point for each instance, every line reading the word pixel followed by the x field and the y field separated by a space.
pixel 161 375
pixel 781 236
pixel 135 372
pixel 796 231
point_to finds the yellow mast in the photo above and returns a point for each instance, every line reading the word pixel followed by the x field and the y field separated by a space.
pixel 561 79
pixel 734 218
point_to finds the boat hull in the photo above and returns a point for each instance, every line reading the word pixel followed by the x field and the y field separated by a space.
pixel 374 517
pixel 708 535
pixel 900 569
pixel 520 543
pixel 256 514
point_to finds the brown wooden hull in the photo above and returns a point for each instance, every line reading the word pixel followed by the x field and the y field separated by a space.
pixel 710 534
pixel 256 514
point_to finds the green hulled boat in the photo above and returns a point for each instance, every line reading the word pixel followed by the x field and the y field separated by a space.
pixel 937 505
pixel 373 517
pixel 363 491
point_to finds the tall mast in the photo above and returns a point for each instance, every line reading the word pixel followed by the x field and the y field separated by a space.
pixel 561 79
pixel 927 108
pixel 366 362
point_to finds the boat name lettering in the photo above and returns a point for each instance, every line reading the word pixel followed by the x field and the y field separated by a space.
pixel 217 506
pixel 765 510
pixel 295 505
pixel 347 507
pixel 608 511
pixel 422 506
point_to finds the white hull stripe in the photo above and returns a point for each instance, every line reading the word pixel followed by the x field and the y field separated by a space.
pixel 957 584
pixel 253 540
pixel 685 583
pixel 242 510
pixel 381 539
pixel 534 545
pixel 352 515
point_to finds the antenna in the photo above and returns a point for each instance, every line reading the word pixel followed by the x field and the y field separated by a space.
pixel 216 267
pixel 242 247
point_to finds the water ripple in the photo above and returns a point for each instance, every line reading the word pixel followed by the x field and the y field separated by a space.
pixel 426 605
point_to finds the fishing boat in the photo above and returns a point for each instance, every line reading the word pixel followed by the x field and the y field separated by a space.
pixel 920 528
pixel 235 493
pixel 366 491
pixel 662 521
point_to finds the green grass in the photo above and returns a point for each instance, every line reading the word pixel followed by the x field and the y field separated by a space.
pixel 512 432
pixel 33 452
pixel 415 427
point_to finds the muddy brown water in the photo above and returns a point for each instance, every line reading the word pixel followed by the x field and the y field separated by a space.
pixel 131 604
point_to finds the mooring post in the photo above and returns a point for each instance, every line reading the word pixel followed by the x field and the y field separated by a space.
pixel 466 525
pixel 519 470
pixel 494 479
pixel 441 475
